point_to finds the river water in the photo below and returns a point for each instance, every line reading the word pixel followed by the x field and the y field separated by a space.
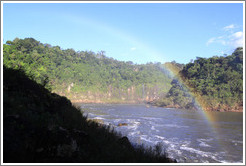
pixel 187 136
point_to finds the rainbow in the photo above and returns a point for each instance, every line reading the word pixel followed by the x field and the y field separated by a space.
pixel 207 115
pixel 200 105
pixel 157 56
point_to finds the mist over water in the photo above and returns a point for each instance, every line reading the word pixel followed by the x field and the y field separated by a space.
pixel 185 135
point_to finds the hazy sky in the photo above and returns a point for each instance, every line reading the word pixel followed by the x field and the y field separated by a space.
pixel 138 32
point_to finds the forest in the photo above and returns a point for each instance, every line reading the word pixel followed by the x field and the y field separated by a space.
pixel 86 75
pixel 213 84
pixel 216 83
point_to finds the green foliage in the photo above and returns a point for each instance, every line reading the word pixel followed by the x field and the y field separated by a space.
pixel 88 71
pixel 180 94
pixel 220 78
pixel 216 81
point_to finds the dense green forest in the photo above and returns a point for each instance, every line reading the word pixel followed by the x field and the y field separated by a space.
pixel 216 83
pixel 86 75
pixel 43 127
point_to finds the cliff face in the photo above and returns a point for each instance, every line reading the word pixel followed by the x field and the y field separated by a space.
pixel 133 94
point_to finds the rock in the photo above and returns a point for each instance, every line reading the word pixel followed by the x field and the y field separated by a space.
pixel 69 87
pixel 99 121
pixel 125 143
pixel 172 160
pixel 122 124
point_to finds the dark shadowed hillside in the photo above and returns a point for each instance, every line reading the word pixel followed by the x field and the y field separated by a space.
pixel 40 126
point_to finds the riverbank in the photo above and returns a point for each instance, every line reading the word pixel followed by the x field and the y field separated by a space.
pixel 221 108
pixel 205 107
pixel 88 101
pixel 214 109
pixel 211 109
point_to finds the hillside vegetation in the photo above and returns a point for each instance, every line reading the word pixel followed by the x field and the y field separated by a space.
pixel 216 84
pixel 43 127
pixel 84 75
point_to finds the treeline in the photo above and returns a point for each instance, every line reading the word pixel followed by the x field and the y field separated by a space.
pixel 74 73
pixel 216 83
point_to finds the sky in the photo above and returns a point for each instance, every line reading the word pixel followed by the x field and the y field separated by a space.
pixel 137 32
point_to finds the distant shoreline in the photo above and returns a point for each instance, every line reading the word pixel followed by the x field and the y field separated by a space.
pixel 240 109
pixel 106 102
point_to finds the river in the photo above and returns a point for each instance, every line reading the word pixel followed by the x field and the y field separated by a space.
pixel 187 136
